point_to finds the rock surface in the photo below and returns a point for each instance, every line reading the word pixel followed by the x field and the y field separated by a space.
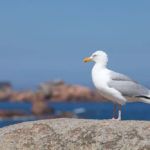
pixel 76 134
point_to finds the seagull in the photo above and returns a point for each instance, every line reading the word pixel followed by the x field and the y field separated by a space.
pixel 114 86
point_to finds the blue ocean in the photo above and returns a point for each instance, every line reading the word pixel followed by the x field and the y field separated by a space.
pixel 87 110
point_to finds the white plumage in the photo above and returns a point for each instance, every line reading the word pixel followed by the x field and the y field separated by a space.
pixel 114 86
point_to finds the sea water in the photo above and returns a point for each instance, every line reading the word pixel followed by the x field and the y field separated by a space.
pixel 87 110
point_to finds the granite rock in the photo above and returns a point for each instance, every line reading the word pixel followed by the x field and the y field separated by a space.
pixel 76 134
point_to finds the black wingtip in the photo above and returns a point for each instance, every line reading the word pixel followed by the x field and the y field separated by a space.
pixel 142 96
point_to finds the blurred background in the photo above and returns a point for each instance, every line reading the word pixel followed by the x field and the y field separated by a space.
pixel 42 44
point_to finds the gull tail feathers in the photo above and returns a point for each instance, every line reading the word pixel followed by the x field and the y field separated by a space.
pixel 145 100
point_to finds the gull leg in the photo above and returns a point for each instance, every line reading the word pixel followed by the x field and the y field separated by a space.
pixel 119 112
pixel 114 111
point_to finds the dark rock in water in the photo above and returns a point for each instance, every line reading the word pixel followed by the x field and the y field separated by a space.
pixel 41 108
pixel 12 113
pixel 76 134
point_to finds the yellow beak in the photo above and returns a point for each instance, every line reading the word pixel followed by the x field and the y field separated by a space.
pixel 87 59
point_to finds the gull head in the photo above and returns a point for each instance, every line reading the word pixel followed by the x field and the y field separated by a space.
pixel 97 57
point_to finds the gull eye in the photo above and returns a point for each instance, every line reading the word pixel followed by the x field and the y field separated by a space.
pixel 94 55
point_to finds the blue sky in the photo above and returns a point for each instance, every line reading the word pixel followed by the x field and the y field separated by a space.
pixel 43 40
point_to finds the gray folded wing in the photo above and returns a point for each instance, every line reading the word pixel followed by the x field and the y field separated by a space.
pixel 127 86
pixel 118 76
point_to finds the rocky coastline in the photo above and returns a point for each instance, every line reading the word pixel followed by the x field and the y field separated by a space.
pixel 51 91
